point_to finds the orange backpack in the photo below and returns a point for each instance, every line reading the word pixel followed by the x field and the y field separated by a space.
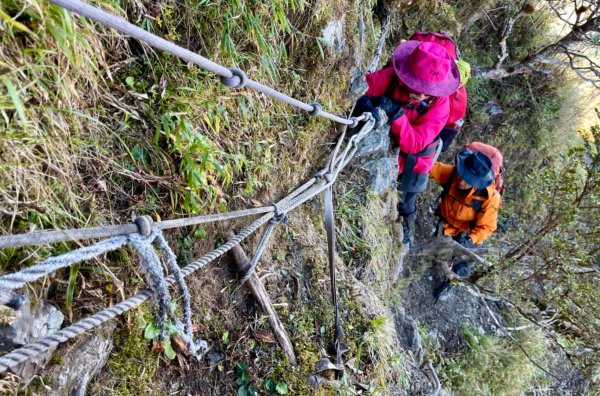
pixel 497 162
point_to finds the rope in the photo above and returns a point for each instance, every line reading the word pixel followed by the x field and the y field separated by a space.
pixel 155 279
pixel 48 266
pixel 38 348
pixel 78 234
pixel 259 251
pixel 234 78
pixel 305 192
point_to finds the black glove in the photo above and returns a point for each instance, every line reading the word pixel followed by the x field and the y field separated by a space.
pixel 467 242
pixel 364 104
pixel 392 108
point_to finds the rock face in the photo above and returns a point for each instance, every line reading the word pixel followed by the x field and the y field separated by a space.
pixel 25 325
pixel 377 157
pixel 408 335
pixel 66 369
pixel 28 323
pixel 334 35
pixel 80 362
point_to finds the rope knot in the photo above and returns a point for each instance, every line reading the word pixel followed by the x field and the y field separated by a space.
pixel 144 225
pixel 316 109
pixel 280 216
pixel 237 80
pixel 354 122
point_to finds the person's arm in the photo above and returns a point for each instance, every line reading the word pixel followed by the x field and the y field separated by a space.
pixel 441 172
pixel 487 220
pixel 413 137
pixel 378 81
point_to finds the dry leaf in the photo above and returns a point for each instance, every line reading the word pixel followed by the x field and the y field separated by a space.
pixel 264 337
pixel 157 346
pixel 179 345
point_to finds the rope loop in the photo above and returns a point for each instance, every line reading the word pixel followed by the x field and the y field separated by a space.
pixel 354 122
pixel 237 80
pixel 144 225
pixel 316 109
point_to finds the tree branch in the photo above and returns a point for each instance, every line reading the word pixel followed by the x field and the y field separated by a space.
pixel 508 29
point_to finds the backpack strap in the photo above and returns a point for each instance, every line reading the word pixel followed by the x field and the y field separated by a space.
pixel 477 203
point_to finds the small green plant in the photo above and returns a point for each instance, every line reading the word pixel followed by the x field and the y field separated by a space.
pixel 153 332
pixel 348 211
pixel 274 387
pixel 202 164
pixel 244 381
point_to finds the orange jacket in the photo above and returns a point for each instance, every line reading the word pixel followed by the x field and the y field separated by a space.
pixel 455 207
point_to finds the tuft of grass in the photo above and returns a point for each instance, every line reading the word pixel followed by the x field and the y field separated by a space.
pixel 494 365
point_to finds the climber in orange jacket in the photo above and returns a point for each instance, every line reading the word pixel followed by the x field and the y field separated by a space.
pixel 470 202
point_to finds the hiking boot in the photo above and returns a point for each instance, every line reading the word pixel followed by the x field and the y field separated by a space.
pixel 443 291
pixel 408 228
pixel 463 269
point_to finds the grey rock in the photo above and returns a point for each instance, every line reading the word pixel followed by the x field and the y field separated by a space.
pixel 377 142
pixel 25 325
pixel 29 323
pixel 408 335
pixel 359 85
pixel 333 33
pixel 77 363
pixel 493 109
pixel 383 173
pixel 214 358
pixel 433 334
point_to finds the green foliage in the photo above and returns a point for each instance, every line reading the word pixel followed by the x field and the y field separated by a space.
pixel 564 243
pixel 348 212
pixel 493 365
pixel 244 381
pixel 201 163
pixel 153 332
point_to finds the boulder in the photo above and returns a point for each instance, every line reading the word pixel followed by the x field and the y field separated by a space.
pixel 77 363
pixel 376 156
pixel 382 173
pixel 376 142
pixel 408 336
pixel 333 33
pixel 27 324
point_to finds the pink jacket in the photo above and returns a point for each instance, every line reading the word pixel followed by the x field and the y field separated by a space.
pixel 412 131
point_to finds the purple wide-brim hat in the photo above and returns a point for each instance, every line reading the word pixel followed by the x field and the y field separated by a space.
pixel 426 68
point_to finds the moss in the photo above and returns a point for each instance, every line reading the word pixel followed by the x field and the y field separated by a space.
pixel 132 367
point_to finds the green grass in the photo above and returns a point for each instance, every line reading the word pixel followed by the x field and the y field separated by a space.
pixel 495 366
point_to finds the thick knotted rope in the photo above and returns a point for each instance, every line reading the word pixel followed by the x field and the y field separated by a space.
pixel 161 298
pixel 53 264
pixel 303 193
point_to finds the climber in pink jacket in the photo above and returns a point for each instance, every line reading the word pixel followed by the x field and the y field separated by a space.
pixel 413 92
